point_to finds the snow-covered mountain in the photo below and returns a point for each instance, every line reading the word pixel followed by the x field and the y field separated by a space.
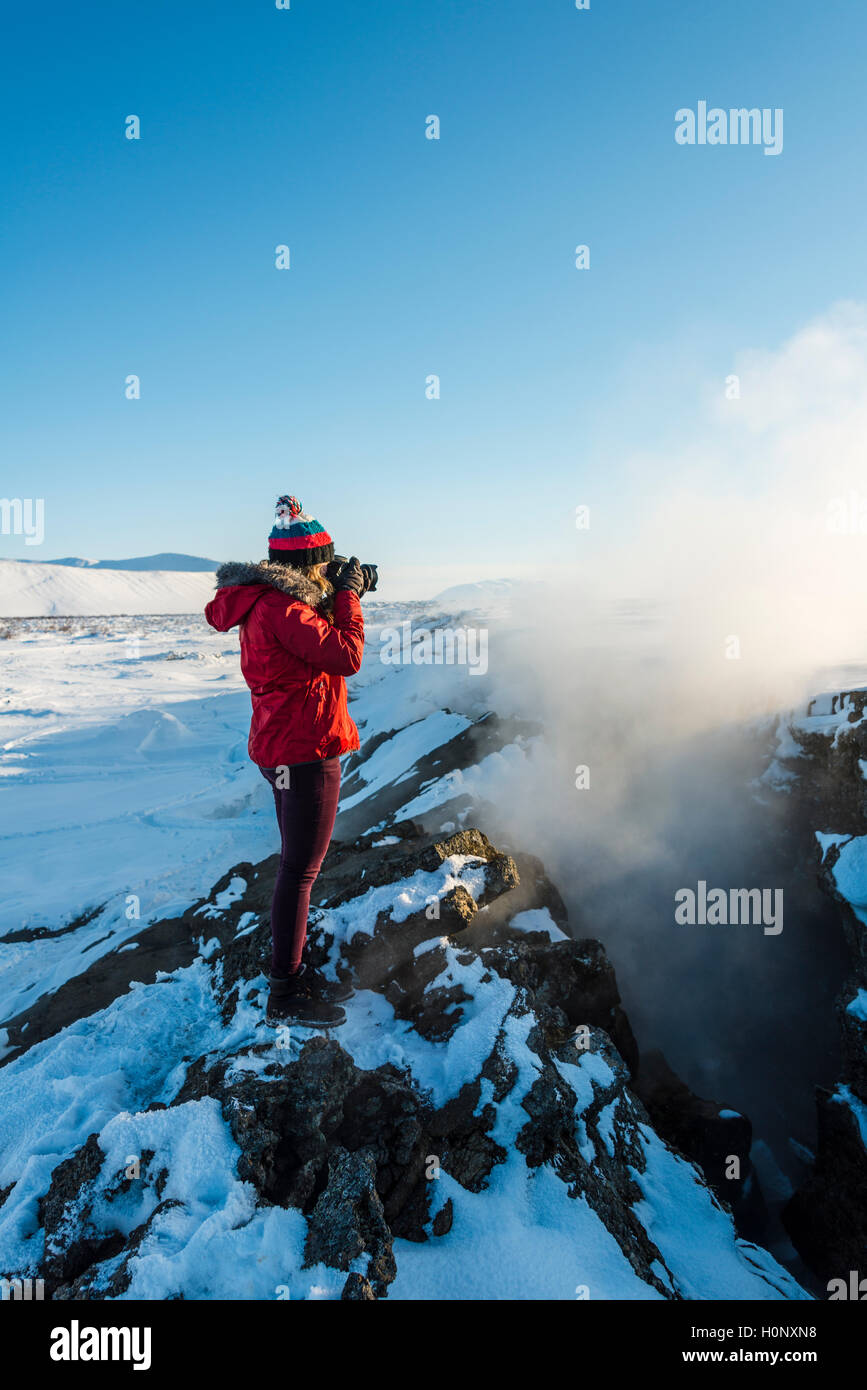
pixel 174 584
pixel 29 589
pixel 166 560
pixel 484 593
pixel 483 1126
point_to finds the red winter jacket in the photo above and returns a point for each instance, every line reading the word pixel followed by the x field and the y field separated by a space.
pixel 293 660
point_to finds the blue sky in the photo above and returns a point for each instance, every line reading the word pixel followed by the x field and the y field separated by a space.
pixel 409 257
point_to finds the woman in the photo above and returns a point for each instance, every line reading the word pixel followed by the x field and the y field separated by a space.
pixel 301 634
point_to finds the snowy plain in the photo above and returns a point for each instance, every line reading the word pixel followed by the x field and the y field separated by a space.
pixel 124 778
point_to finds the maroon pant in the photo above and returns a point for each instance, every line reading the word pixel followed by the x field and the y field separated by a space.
pixel 306 805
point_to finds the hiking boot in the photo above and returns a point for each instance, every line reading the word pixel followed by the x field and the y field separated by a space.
pixel 295 1001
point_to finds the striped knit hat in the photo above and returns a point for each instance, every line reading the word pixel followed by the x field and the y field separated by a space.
pixel 296 538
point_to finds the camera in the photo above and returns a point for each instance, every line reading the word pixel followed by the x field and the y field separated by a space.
pixel 371 576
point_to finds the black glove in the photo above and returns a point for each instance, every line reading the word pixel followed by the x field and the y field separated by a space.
pixel 348 576
pixel 333 568
pixel 336 567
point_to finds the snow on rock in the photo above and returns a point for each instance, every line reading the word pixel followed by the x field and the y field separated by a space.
pixel 474 1130
pixel 538 919
pixel 393 760
pixel 469 1133
pixel 826 1218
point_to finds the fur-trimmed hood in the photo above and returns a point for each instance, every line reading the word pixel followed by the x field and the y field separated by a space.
pixel 241 585
pixel 286 578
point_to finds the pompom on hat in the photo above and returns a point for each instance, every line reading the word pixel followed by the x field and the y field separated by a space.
pixel 296 538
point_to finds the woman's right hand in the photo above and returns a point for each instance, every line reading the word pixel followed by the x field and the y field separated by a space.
pixel 350 576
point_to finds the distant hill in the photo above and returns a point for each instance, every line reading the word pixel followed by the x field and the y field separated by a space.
pixel 483 591
pixel 165 561
pixel 29 589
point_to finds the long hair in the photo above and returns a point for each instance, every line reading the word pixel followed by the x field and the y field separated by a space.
pixel 315 575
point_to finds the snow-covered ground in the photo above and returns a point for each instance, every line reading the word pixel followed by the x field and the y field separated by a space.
pixel 125 781
pixel 128 794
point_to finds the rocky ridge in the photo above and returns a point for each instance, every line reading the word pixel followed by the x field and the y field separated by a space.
pixel 822 757
pixel 480 1124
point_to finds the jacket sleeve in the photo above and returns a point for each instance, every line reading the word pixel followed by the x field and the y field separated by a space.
pixel 336 648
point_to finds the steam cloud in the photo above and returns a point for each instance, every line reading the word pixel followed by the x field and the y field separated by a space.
pixel 735 594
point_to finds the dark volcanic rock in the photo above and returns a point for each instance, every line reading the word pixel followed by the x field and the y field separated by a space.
pixel 77 1256
pixel 695 1126
pixel 114 1275
pixel 358 1289
pixel 348 1220
pixel 63 1213
pixel 827 1217
pixel 830 786
pixel 460 1138
pixel 571 983
pixel 442 1222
